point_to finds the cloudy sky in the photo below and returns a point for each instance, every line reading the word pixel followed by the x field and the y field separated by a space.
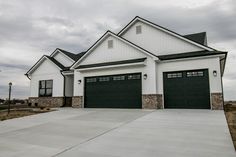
pixel 31 28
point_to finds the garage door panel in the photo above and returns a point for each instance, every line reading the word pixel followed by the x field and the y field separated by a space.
pixel 118 91
pixel 187 89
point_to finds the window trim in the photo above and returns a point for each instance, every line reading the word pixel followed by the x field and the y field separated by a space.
pixel 45 89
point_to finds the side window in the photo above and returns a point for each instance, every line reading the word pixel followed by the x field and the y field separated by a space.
pixel 45 88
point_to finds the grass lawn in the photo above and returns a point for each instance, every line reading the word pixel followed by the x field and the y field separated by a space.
pixel 20 113
pixel 230 113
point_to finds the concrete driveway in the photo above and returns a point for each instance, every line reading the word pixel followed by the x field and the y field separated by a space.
pixel 115 133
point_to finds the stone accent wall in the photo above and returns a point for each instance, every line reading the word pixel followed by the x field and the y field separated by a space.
pixel 152 101
pixel 46 101
pixel 77 101
pixel 217 101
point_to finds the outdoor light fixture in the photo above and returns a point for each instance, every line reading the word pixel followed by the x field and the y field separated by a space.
pixel 145 76
pixel 215 73
pixel 79 81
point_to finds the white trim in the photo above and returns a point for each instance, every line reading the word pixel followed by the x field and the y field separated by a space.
pixel 113 66
pixel 68 73
pixel 100 40
pixel 209 82
pixel 166 31
pixel 58 50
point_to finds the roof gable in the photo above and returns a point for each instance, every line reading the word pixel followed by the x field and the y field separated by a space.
pixel 103 38
pixel 67 54
pixel 41 60
pixel 137 18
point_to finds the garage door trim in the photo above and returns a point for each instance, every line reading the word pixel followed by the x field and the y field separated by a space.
pixel 185 71
pixel 137 86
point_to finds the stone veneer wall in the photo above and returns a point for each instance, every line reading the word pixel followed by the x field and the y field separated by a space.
pixel 152 101
pixel 217 101
pixel 46 101
pixel 77 101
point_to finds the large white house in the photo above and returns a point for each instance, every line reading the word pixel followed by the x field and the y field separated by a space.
pixel 143 66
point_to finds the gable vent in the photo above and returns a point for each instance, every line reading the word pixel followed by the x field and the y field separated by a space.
pixel 110 44
pixel 138 29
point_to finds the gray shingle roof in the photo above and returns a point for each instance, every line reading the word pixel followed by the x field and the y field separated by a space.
pixel 189 54
pixel 69 54
pixel 197 37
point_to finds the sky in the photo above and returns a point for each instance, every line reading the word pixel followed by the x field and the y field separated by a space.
pixel 32 28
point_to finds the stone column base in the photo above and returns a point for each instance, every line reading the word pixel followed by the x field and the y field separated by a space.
pixel 77 101
pixel 217 101
pixel 152 101
pixel 46 101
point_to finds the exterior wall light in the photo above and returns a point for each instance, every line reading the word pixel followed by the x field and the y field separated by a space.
pixel 215 73
pixel 145 76
pixel 79 81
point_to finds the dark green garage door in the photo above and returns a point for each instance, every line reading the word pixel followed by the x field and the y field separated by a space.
pixel 117 91
pixel 187 89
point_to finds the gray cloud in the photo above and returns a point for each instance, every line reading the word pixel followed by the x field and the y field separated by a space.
pixel 31 28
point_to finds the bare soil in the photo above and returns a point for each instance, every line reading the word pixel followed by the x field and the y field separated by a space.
pixel 20 113
pixel 230 113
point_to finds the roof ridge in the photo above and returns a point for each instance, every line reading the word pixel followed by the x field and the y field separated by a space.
pixel 164 29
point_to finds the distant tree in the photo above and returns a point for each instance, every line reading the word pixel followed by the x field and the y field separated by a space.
pixel 1 101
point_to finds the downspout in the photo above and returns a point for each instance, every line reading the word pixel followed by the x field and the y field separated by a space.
pixel 64 89
pixel 222 80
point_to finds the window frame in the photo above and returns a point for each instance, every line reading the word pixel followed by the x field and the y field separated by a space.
pixel 45 88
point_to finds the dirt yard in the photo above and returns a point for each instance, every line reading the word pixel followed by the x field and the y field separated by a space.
pixel 20 113
pixel 230 113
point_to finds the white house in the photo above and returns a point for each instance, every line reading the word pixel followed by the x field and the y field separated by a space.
pixel 143 66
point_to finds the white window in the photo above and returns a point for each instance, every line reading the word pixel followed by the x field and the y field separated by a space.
pixel 174 75
pixel 138 29
pixel 104 79
pixel 118 78
pixel 110 44
pixel 89 80
pixel 195 73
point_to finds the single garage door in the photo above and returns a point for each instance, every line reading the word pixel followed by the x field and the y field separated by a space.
pixel 187 89
pixel 116 91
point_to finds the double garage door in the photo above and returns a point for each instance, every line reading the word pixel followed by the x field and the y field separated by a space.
pixel 116 91
pixel 182 89
pixel 187 89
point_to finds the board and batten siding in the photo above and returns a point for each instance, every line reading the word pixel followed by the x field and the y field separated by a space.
pixel 191 64
pixel 157 41
pixel 120 51
pixel 64 60
pixel 148 85
pixel 47 71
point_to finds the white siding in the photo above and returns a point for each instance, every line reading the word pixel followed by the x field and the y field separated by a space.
pixel 120 51
pixel 148 85
pixel 64 60
pixel 47 71
pixel 157 41
pixel 208 63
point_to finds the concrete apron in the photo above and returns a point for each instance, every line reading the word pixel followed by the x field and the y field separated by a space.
pixel 118 132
